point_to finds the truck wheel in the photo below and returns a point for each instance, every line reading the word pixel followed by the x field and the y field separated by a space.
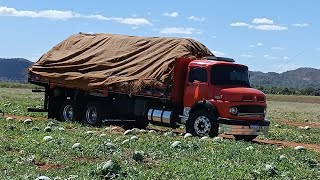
pixel 245 137
pixel 202 123
pixel 93 114
pixel 68 111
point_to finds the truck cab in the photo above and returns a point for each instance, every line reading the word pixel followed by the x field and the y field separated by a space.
pixel 218 98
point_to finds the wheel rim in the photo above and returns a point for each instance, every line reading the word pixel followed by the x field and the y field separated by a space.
pixel 68 113
pixel 202 126
pixel 91 115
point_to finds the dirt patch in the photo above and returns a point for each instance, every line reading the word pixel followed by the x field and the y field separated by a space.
pixel 70 128
pixel 120 130
pixel 297 124
pixel 150 161
pixel 24 117
pixel 46 166
pixel 116 129
pixel 315 147
pixel 147 159
pixel 288 144
pixel 279 143
pixel 85 159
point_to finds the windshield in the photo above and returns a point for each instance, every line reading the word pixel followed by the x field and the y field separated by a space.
pixel 230 75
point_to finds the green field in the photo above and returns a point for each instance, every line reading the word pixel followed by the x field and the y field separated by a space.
pixel 26 155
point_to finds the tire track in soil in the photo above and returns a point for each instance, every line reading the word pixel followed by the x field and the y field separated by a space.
pixel 315 147
pixel 297 124
pixel 24 117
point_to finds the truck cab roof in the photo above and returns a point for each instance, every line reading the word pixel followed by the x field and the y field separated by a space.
pixel 210 61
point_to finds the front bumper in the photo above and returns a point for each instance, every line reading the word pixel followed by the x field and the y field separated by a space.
pixel 243 127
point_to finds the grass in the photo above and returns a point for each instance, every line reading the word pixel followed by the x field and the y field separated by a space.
pixel 17 85
pixel 294 98
pixel 281 112
pixel 15 101
pixel 294 134
pixel 195 159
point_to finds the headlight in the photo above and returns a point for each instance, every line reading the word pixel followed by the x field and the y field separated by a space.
pixel 233 111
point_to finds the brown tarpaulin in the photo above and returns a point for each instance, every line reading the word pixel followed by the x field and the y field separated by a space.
pixel 91 61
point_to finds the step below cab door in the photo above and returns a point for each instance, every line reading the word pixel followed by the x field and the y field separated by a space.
pixel 197 87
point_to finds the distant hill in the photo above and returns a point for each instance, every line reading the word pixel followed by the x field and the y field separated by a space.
pixel 14 69
pixel 299 78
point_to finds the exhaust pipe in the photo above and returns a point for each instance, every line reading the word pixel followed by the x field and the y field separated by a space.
pixel 159 115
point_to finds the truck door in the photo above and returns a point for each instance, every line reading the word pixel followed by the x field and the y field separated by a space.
pixel 197 87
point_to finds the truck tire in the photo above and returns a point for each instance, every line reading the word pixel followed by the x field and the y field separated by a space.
pixel 68 111
pixel 245 137
pixel 93 114
pixel 202 123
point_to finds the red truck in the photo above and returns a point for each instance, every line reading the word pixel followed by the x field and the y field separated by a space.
pixel 209 94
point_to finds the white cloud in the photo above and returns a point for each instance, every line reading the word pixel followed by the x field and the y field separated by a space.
pixel 50 14
pixel 266 56
pixel 239 24
pixel 178 30
pixel 267 27
pixel 132 21
pixel 173 14
pixel 258 44
pixel 246 55
pixel 96 16
pixel 301 25
pixel 285 58
pixel 65 15
pixel 218 53
pixel 262 24
pixel 194 18
pixel 262 21
pixel 277 48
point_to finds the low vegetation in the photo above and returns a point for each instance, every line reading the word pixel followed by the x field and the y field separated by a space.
pixel 28 153
pixel 36 147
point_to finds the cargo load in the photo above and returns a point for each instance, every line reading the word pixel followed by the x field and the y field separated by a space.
pixel 91 61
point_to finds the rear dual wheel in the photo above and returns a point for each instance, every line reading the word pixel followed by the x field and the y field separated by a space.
pixel 69 111
pixel 93 114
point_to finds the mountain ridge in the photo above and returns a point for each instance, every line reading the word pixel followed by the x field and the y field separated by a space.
pixel 15 69
pixel 298 78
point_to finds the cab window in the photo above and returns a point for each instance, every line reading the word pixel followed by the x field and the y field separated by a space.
pixel 197 75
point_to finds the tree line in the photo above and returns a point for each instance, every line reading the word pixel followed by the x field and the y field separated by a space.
pixel 307 91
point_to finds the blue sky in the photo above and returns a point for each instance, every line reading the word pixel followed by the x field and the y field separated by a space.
pixel 264 35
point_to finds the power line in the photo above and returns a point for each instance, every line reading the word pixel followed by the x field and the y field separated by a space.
pixel 289 61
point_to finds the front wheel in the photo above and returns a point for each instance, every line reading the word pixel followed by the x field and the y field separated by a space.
pixel 93 114
pixel 202 123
